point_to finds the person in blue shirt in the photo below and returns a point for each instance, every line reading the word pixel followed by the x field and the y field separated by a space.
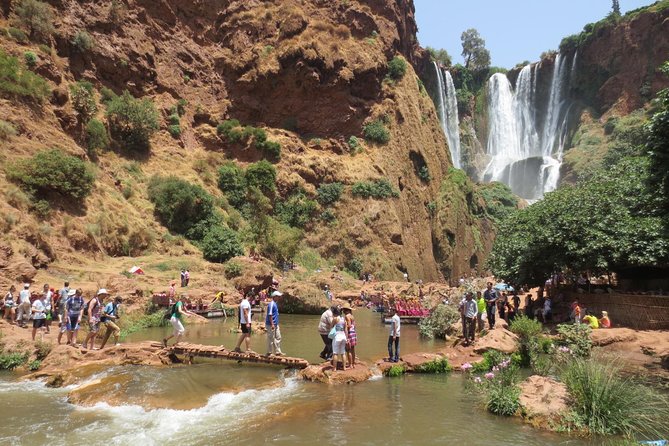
pixel 272 326
pixel 109 318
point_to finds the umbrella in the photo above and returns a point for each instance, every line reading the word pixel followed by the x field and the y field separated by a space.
pixel 276 294
pixel 503 287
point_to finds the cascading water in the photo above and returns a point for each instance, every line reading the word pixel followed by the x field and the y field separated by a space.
pixel 448 113
pixel 526 154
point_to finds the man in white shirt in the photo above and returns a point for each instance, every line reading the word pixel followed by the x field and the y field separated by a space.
pixel 324 326
pixel 47 300
pixel 245 322
pixel 39 317
pixel 469 311
pixel 23 314
pixel 394 338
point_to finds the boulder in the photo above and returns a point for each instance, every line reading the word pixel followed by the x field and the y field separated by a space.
pixel 542 396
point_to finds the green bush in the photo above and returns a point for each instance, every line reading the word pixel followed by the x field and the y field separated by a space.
pixel 42 349
pixel 355 266
pixel 435 366
pixel 438 323
pixel 52 171
pixel 354 144
pixel 296 210
pixel 491 358
pixel 232 183
pixel 36 16
pixel 261 175
pixel 280 242
pixel 378 189
pixel 271 148
pixel 15 81
pixel 220 244
pixel 610 403
pixel 107 95
pixel 503 400
pixel 576 337
pixel 528 331
pixel 96 136
pixel 424 174
pixel 179 204
pixel 10 361
pixel 395 371
pixel 83 41
pixel 329 193
pixel 200 229
pixel 83 100
pixel 234 133
pixel 376 131
pixel 7 130
pixel 132 121
pixel 397 68
pixel 174 130
pixel 17 35
pixel 499 200
pixel 34 365
pixel 233 269
pixel 30 59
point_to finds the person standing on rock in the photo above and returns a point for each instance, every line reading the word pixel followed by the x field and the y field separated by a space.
pixel 272 327
pixel 109 318
pixel 490 296
pixel 93 309
pixel 394 337
pixel 47 299
pixel 75 311
pixel 10 304
pixel 481 308
pixel 324 326
pixel 23 313
pixel 39 317
pixel 245 322
pixel 352 336
pixel 469 311
pixel 176 318
pixel 339 342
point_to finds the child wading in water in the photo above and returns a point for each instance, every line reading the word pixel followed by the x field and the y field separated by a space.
pixel 176 316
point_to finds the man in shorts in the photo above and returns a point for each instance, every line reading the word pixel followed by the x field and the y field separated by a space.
pixel 245 322
pixel 93 310
pixel 176 318
pixel 109 318
pixel 24 309
pixel 74 309
pixel 39 318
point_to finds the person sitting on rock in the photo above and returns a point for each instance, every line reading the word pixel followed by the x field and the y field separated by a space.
pixel 592 321
pixel 605 322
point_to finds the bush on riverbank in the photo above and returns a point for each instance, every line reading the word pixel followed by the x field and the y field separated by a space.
pixel 576 337
pixel 395 371
pixel 439 323
pixel 436 366
pixel 137 321
pixel 12 360
pixel 528 332
pixel 498 388
pixel 608 403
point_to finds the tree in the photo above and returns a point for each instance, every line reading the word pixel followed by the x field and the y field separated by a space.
pixel 232 183
pixel 36 16
pixel 132 121
pixel 658 146
pixel 220 244
pixel 616 7
pixel 476 56
pixel 83 100
pixel 440 56
pixel 179 205
pixel 262 175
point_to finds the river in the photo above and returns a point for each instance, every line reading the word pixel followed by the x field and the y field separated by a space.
pixel 215 402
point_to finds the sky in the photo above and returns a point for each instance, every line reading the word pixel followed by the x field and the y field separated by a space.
pixel 514 30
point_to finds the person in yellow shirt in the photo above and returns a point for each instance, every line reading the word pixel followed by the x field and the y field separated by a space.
pixel 592 321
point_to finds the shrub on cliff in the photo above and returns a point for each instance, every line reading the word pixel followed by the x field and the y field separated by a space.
pixel 378 189
pixel 329 193
pixel 132 121
pixel 52 172
pixel 179 204
pixel 376 131
pixel 397 68
pixel 83 100
pixel 261 175
pixel 96 137
pixel 83 41
pixel 220 244
pixel 296 210
pixel 232 183
pixel 16 81
pixel 36 16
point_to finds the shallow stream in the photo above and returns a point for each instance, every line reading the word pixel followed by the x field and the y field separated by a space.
pixel 216 402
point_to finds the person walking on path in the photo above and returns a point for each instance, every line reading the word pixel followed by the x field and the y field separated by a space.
pixel 47 300
pixel 75 311
pixel 490 296
pixel 324 326
pixel 245 322
pixel 93 309
pixel 469 311
pixel 23 313
pixel 176 318
pixel 352 336
pixel 272 328
pixel 394 338
pixel 480 307
pixel 10 305
pixel 109 318
pixel 39 318
pixel 339 343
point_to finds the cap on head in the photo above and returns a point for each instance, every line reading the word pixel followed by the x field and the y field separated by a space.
pixel 26 285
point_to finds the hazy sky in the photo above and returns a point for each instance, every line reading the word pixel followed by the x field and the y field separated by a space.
pixel 514 30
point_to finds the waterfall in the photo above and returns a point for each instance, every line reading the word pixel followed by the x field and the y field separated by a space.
pixel 524 153
pixel 448 113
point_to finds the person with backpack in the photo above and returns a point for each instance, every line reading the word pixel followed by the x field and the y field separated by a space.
pixel 75 311
pixel 176 316
pixel 93 311
pixel 109 318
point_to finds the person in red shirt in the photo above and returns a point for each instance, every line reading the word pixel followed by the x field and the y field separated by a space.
pixel 605 322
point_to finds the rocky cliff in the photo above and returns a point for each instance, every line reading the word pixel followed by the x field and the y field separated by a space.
pixel 311 73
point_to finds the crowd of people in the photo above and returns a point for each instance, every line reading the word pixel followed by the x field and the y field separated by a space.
pixel 68 307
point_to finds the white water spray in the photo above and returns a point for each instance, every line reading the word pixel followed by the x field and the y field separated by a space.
pixel 448 113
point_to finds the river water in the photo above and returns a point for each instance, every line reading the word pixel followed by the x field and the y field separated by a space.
pixel 216 402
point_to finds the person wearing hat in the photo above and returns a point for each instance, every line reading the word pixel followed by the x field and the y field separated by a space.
pixel 93 310
pixel 272 326
pixel 109 318
pixel 605 322
pixel 352 336
pixel 24 309
pixel 74 309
